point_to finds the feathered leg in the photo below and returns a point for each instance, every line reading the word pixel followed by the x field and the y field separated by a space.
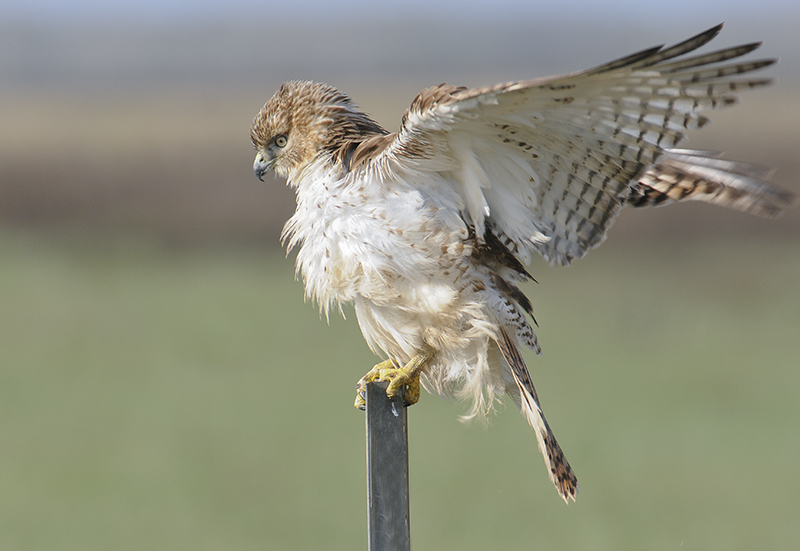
pixel 557 465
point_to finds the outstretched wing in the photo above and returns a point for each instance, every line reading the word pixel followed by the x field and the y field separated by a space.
pixel 551 161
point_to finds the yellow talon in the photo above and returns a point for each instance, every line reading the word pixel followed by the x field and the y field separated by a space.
pixel 407 375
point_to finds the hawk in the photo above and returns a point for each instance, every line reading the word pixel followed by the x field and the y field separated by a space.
pixel 426 231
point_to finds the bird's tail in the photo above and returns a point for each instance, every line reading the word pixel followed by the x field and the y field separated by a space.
pixel 694 175
pixel 557 465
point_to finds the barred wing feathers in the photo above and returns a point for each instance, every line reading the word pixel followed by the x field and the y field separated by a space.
pixel 551 161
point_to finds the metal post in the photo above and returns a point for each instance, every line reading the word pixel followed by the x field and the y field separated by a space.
pixel 387 470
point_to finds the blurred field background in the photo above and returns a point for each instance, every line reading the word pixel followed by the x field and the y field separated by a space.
pixel 163 385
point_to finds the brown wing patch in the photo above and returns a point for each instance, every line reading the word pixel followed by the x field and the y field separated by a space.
pixel 355 153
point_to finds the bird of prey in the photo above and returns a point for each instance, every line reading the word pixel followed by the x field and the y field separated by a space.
pixel 426 231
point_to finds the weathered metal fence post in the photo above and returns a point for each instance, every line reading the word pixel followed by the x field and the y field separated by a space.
pixel 387 470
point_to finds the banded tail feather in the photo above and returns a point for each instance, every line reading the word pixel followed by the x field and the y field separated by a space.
pixel 558 467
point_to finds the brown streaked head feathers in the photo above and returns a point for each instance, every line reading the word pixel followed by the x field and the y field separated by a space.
pixel 302 120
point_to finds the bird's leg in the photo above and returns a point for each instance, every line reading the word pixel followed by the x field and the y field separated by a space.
pixel 407 375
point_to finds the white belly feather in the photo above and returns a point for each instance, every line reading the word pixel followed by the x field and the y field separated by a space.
pixel 403 262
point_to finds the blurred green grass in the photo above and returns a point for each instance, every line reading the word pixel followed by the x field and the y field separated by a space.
pixel 155 398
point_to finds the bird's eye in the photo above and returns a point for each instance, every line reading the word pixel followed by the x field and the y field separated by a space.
pixel 280 141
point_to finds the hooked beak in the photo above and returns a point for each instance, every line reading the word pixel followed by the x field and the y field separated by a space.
pixel 261 165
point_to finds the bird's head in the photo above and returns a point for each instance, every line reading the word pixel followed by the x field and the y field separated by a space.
pixel 302 120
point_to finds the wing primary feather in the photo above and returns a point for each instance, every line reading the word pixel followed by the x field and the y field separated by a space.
pixel 681 48
pixel 714 73
pixel 652 56
pixel 709 58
